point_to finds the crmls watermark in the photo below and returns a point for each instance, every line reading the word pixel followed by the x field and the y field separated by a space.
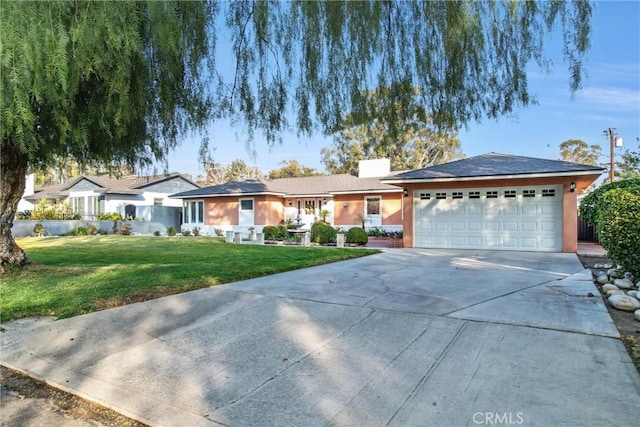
pixel 498 418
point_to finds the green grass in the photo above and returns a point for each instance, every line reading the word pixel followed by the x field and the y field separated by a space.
pixel 76 275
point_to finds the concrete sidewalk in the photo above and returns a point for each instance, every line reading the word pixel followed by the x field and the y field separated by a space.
pixel 406 337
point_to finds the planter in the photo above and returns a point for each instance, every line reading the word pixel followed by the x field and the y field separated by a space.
pixel 396 243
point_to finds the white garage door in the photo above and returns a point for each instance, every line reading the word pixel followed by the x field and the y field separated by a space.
pixel 505 218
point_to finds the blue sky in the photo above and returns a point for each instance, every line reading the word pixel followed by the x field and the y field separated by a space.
pixel 610 97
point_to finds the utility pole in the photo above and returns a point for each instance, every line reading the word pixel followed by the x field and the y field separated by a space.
pixel 614 141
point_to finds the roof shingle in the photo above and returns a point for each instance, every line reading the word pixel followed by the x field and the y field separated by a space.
pixel 494 164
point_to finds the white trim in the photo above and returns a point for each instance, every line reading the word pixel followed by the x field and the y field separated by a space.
pixel 490 177
pixel 367 191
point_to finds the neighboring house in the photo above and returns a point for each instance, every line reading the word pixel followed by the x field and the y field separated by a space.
pixel 135 197
pixel 494 201
pixel 29 189
pixel 256 203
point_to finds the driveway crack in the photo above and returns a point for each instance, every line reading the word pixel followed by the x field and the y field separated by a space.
pixel 430 371
pixel 297 362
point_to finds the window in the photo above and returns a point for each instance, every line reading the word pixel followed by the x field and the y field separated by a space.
pixel 474 194
pixel 373 205
pixel 456 195
pixel 425 196
pixel 510 194
pixel 246 205
pixel 548 192
pixel 95 205
pixel 193 212
pixel 441 196
pixel 77 204
pixel 492 194
pixel 529 193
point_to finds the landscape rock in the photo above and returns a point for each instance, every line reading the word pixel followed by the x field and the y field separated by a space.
pixel 629 276
pixel 636 314
pixel 602 279
pixel 623 283
pixel 612 272
pixel 615 292
pixel 632 293
pixel 609 287
pixel 624 302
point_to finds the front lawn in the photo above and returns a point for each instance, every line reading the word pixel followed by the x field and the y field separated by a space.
pixel 76 275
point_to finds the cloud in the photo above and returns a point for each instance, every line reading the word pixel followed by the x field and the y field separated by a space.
pixel 608 98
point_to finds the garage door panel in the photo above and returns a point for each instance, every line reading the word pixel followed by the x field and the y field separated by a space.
pixel 510 225
pixel 518 218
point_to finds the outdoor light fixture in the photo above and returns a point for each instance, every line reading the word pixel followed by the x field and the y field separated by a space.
pixel 405 192
pixel 290 202
pixel 345 204
pixel 572 186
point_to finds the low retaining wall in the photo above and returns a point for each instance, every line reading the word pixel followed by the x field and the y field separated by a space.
pixel 24 228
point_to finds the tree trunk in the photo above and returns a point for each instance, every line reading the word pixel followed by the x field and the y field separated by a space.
pixel 13 171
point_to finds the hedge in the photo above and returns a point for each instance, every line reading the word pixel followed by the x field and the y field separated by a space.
pixel 618 224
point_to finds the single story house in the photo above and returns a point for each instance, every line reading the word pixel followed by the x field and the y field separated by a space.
pixel 142 197
pixel 494 201
pixel 344 198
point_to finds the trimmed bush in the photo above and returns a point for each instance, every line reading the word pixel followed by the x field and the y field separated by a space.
pixel 271 232
pixel 357 235
pixel 38 230
pixel 171 231
pixel 186 232
pixel 323 233
pixel 618 224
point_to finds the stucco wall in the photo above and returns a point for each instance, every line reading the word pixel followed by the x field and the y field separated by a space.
pixel 346 216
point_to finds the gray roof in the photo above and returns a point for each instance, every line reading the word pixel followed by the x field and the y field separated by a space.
pixel 495 165
pixel 294 187
pixel 127 185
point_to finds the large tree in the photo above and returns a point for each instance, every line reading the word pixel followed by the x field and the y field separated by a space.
pixel 122 81
pixel 410 140
pixel 578 151
pixel 237 170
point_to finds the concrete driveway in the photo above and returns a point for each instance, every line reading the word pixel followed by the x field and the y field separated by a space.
pixel 405 337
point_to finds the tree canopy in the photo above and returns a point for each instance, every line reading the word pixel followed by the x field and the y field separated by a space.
pixel 122 81
pixel 629 165
pixel 578 151
pixel 237 170
pixel 410 141
pixel 292 168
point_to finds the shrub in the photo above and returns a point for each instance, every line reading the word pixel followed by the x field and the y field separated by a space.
pixel 323 233
pixel 109 216
pixel 38 230
pixel 376 232
pixel 219 232
pixel 92 230
pixel 171 231
pixel 618 224
pixel 157 233
pixel 186 232
pixel 196 231
pixel 23 215
pixel 271 232
pixel 357 235
pixel 125 229
pixel 590 204
pixel 80 231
